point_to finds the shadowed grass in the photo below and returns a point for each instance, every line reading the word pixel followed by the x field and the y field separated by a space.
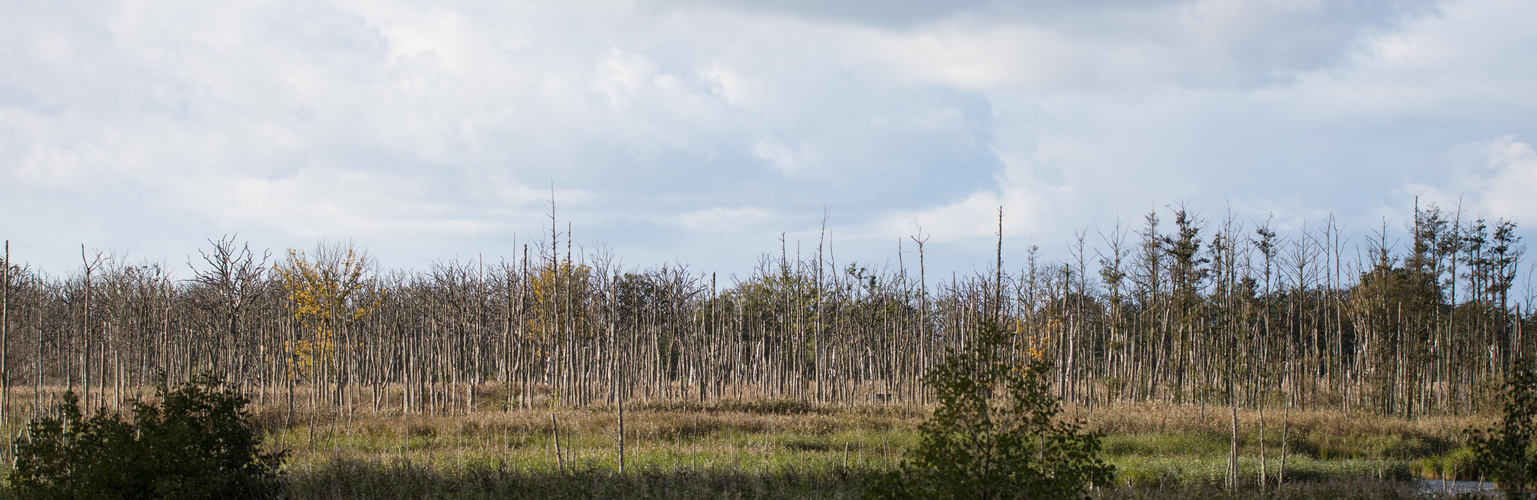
pixel 1209 472
pixel 404 479
pixel 1347 489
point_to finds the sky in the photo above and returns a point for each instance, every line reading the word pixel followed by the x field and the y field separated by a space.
pixel 705 132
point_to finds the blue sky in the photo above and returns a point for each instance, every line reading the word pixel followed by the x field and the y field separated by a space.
pixel 699 131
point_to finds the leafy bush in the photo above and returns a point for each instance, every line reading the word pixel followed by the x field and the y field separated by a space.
pixel 1505 453
pixel 982 444
pixel 1458 465
pixel 196 443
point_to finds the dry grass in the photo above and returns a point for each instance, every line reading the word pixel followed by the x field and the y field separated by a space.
pixel 1322 434
pixel 735 436
pixel 663 418
pixel 767 434
pixel 1163 418
pixel 716 443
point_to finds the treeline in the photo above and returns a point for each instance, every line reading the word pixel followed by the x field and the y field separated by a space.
pixel 1185 310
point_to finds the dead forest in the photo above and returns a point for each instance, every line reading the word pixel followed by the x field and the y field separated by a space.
pixel 1176 308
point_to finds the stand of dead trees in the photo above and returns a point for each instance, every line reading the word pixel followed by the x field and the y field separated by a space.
pixel 1180 310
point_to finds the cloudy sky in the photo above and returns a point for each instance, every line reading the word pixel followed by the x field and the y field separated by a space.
pixel 698 131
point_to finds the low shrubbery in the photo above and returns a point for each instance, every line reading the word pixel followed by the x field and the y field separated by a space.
pixel 1460 465
pixel 996 432
pixel 197 442
pixel 404 479
pixel 1505 452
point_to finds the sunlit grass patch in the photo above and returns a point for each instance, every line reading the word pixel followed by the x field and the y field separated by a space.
pixel 1146 445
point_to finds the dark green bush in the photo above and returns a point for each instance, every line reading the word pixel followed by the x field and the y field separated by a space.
pixel 1506 453
pixel 198 442
pixel 996 432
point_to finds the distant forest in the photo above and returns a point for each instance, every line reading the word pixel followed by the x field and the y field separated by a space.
pixel 1182 310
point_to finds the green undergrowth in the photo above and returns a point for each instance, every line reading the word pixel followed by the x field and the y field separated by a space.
pixel 1316 445
pixel 1346 489
pixel 746 465
pixel 737 449
pixel 1456 465
pixel 406 479
pixel 778 407
pixel 1208 472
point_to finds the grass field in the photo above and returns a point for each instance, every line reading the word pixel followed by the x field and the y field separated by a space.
pixel 788 449
pixel 785 449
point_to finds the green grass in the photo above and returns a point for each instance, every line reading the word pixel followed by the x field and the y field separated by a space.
pixel 1348 489
pixel 1161 445
pixel 706 451
pixel 733 449
pixel 401 479
pixel 782 449
pixel 1320 446
pixel 404 479
pixel 1168 472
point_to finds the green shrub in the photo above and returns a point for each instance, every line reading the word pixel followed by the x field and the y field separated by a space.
pixel 1505 453
pixel 980 444
pixel 1458 464
pixel 196 443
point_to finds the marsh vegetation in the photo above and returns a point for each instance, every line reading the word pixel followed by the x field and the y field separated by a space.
pixel 1209 354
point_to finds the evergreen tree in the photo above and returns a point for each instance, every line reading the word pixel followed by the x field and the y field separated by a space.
pixel 996 431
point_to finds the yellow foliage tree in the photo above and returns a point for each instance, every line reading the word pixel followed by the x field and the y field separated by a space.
pixel 561 295
pixel 324 292
pixel 1032 343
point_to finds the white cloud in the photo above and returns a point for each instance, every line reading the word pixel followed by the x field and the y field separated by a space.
pixel 54 166
pixel 1509 189
pixel 1496 178
pixel 1201 44
pixel 716 221
pixel 730 85
pixel 774 152
pixel 317 202
pixel 1030 206
pixel 424 121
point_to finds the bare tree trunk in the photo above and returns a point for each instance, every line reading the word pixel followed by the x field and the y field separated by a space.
pixel 5 346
